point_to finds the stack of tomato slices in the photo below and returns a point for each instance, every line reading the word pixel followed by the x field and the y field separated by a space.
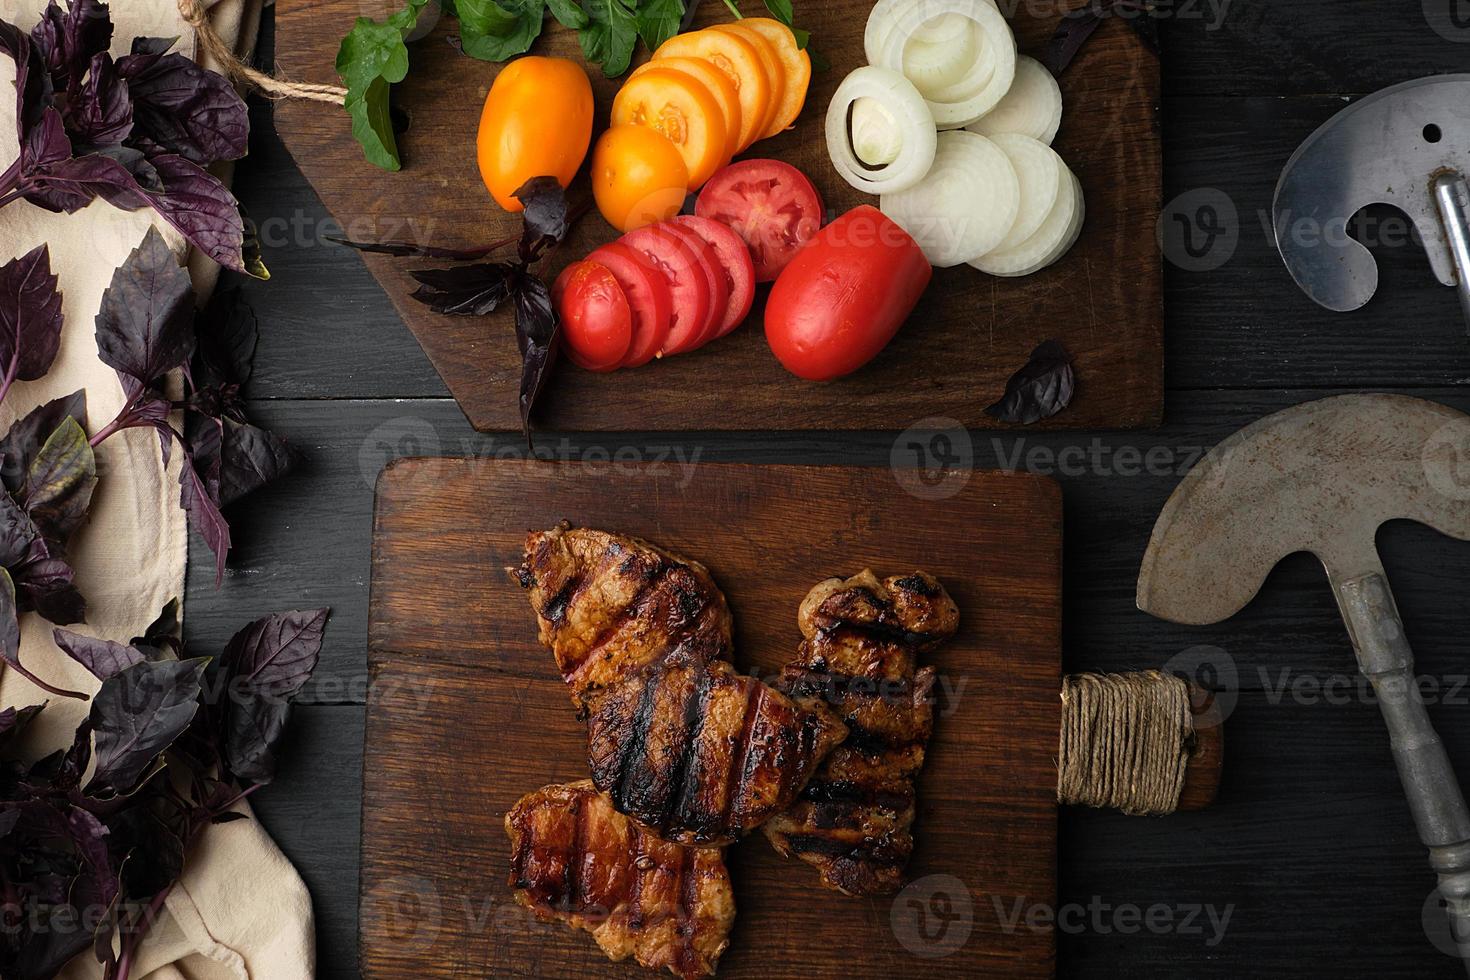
pixel 667 288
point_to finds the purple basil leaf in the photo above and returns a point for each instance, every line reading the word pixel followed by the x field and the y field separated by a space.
pixel 1040 389
pixel 103 658
pixel 145 327
pixel 469 290
pixel 149 851
pixel 102 111
pixel 13 721
pixel 68 184
pixel 227 334
pixel 30 315
pixel 32 81
pixel 250 457
pixel 47 584
pixel 277 653
pixel 268 663
pixel 26 437
pixel 544 217
pixel 10 640
pixel 89 835
pixel 58 487
pixel 186 108
pixel 137 714
pixel 144 47
pixel 70 40
pixel 204 515
pixel 1071 34
pixel 252 729
pixel 196 203
pixel 164 633
pixel 536 330
pixel 18 533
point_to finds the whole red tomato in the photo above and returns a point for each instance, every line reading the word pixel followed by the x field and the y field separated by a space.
pixel 844 295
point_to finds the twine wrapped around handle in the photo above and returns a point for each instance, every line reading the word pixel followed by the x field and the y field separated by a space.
pixel 1125 741
pixel 197 17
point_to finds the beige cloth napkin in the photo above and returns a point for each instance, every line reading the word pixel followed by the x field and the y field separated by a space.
pixel 240 912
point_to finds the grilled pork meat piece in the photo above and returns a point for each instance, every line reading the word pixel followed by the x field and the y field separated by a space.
pixel 702 754
pixel 680 741
pixel 853 821
pixel 575 859
pixel 609 605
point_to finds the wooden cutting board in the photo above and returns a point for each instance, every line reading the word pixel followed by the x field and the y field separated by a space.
pixel 467 713
pixel 952 359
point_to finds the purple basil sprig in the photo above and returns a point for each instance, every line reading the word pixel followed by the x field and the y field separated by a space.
pixel 147 328
pixel 94 837
pixel 136 132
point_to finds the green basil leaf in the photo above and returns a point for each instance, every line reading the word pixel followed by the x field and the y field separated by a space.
pixel 59 484
pixel 568 13
pixel 658 20
pixel 610 36
pixel 494 31
pixel 373 57
pixel 781 10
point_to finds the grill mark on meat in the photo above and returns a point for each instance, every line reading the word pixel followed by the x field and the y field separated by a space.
pixel 685 780
pixel 555 610
pixel 846 791
pixel 634 741
pixel 630 613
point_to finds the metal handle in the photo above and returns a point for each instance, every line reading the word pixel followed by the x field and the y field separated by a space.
pixel 1438 806
pixel 1453 197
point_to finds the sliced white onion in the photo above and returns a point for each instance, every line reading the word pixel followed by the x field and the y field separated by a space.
pixel 964 206
pixel 971 83
pixel 942 60
pixel 1033 106
pixel 1040 172
pixel 879 90
pixel 894 22
pixel 1056 236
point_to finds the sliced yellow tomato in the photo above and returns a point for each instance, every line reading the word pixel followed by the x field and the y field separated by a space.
pixel 796 64
pixel 738 60
pixel 682 109
pixel 770 64
pixel 638 177
pixel 719 86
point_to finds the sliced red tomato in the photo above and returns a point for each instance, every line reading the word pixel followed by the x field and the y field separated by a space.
pixel 647 290
pixel 689 288
pixel 596 322
pixel 734 256
pixel 769 204
pixel 844 297
pixel 714 274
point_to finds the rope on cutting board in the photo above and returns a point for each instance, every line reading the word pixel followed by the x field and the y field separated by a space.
pixel 1124 742
pixel 195 14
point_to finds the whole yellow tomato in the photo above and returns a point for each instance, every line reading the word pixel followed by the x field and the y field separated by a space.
pixel 537 122
pixel 638 177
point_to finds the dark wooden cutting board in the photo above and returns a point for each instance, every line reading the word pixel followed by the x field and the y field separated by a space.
pixel 969 333
pixel 467 713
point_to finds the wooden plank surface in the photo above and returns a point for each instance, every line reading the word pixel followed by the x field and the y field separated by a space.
pixel 459 677
pixel 968 334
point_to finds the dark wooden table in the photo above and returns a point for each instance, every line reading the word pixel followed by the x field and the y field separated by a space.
pixel 1310 849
